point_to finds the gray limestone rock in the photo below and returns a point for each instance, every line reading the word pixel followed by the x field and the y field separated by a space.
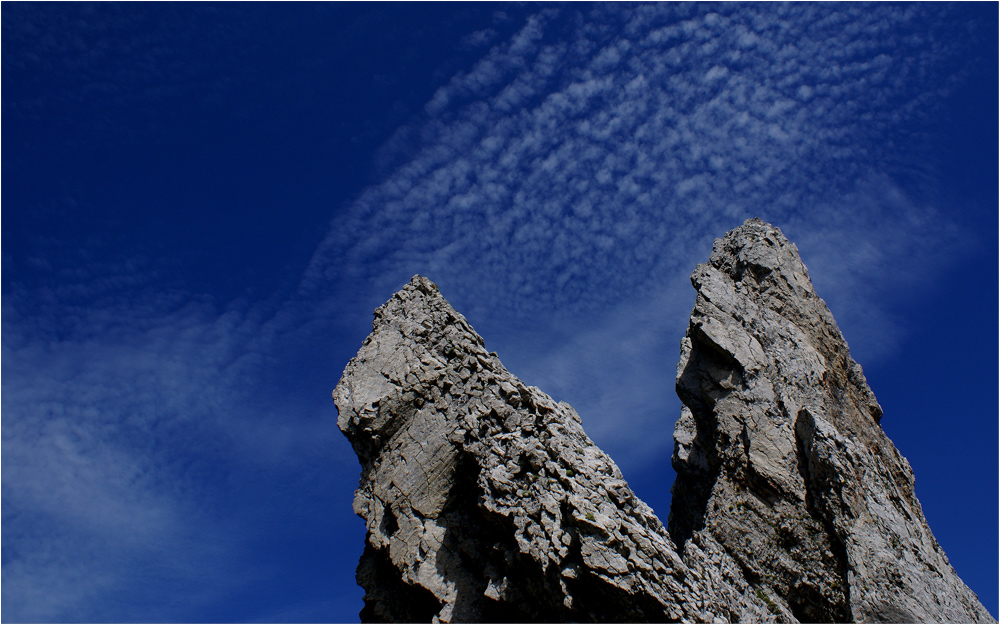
pixel 485 500
pixel 780 458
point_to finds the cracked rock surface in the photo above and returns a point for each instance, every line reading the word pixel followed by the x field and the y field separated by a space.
pixel 485 500
pixel 780 458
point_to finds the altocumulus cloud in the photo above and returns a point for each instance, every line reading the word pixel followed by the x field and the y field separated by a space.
pixel 591 155
pixel 134 427
pixel 580 169
pixel 106 401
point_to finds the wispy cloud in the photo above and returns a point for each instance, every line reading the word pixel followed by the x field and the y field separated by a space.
pixel 100 437
pixel 135 432
pixel 582 168
pixel 871 248
pixel 568 166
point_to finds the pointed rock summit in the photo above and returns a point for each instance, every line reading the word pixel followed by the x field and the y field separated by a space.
pixel 780 458
pixel 485 500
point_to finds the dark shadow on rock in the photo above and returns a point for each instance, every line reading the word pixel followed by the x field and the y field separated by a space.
pixel 692 488
pixel 387 598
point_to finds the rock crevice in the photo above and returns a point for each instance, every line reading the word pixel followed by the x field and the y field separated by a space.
pixel 485 500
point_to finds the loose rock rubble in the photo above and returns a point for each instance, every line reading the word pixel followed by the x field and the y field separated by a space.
pixel 485 500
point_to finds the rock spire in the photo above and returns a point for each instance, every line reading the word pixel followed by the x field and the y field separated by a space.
pixel 485 500
pixel 780 458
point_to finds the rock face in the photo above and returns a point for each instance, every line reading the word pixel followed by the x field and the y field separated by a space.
pixel 485 500
pixel 780 457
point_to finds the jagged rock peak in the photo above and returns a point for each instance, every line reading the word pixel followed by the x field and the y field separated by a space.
pixel 485 500
pixel 780 457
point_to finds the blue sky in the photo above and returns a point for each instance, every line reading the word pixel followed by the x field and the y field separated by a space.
pixel 203 203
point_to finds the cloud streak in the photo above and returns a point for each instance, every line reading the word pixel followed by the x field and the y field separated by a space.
pixel 576 174
pixel 574 163
pixel 143 449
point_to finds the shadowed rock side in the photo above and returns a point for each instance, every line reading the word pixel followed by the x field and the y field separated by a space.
pixel 780 458
pixel 485 500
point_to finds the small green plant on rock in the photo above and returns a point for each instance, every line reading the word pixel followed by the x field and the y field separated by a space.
pixel 570 473
pixel 590 516
pixel 772 607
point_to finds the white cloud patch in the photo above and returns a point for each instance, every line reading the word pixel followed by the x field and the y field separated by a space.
pixel 580 172
pixel 563 168
pixel 130 421
pixel 91 427
pixel 866 251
